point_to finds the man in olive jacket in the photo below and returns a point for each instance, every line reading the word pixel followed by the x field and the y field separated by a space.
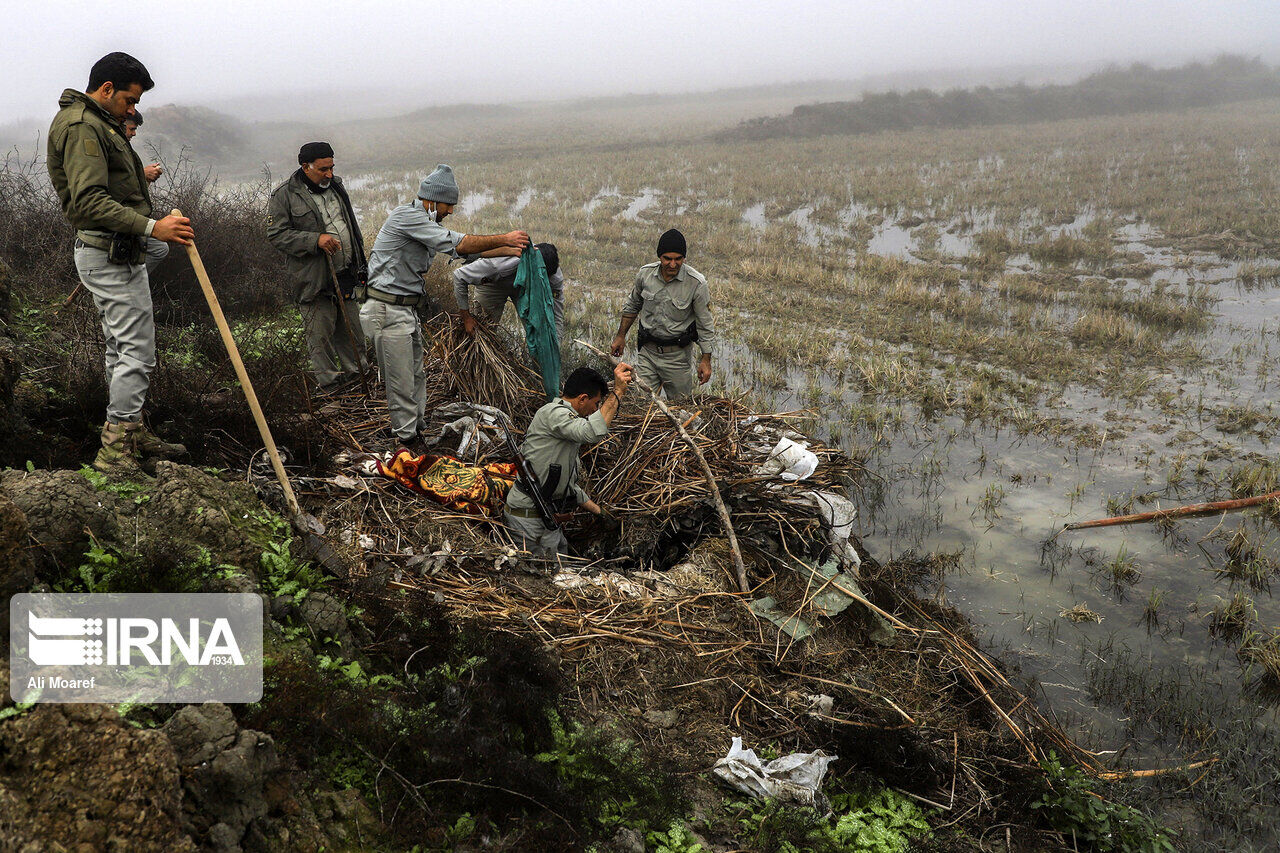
pixel 310 219
pixel 102 186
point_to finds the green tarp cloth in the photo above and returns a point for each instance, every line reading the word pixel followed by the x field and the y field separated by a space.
pixel 534 305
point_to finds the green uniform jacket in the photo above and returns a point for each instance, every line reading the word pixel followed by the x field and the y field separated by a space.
pixel 94 170
pixel 555 437
pixel 294 224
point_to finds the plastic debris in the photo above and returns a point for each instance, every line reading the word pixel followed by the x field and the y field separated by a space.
pixel 793 626
pixel 789 460
pixel 838 514
pixel 794 778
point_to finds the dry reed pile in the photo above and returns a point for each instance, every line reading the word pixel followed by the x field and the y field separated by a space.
pixel 929 711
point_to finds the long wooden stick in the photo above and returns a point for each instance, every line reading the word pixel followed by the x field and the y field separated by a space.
pixel 234 352
pixel 72 298
pixel 358 346
pixel 1176 512
pixel 738 565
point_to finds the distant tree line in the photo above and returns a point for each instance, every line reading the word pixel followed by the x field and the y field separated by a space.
pixel 1112 91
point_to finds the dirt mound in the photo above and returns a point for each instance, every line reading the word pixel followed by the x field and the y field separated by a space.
pixel 181 510
pixel 78 775
pixel 64 513
pixel 224 772
pixel 16 571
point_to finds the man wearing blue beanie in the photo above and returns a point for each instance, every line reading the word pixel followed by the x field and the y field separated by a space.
pixel 402 254
pixel 673 303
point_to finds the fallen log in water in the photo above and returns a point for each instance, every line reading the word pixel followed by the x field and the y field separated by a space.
pixel 1176 512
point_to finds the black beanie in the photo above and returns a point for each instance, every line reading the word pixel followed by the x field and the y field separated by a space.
pixel 550 257
pixel 313 151
pixel 671 241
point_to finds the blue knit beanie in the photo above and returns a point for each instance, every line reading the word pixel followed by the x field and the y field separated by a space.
pixel 439 186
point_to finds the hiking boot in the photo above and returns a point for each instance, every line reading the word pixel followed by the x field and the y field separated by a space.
pixel 119 454
pixel 150 445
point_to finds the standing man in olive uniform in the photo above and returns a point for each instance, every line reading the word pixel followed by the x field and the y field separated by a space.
pixel 102 186
pixel 407 242
pixel 673 303
pixel 310 219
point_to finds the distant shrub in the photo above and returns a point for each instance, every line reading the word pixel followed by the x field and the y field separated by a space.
pixel 1113 91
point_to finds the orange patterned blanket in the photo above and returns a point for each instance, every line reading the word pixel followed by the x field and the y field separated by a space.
pixel 475 490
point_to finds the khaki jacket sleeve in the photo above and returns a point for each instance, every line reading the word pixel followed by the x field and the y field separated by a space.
pixel 280 230
pixel 85 163
pixel 702 316
pixel 563 423
pixel 636 300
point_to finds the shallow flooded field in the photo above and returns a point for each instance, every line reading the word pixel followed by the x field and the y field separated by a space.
pixel 1015 328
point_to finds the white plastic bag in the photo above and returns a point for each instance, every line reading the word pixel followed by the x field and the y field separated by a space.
pixel 790 460
pixel 794 778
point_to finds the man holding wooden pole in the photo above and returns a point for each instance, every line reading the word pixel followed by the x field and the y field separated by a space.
pixel 311 221
pixel 102 185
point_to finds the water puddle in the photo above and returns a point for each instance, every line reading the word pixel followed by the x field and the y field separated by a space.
pixel 472 203
pixel 600 197
pixel 647 198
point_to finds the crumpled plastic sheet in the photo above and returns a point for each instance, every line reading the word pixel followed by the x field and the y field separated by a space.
pixel 789 460
pixel 838 514
pixel 467 423
pixel 795 778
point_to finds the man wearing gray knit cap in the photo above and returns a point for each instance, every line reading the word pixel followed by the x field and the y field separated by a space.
pixel 402 254
pixel 673 304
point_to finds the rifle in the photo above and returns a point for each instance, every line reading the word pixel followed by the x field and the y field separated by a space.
pixel 529 479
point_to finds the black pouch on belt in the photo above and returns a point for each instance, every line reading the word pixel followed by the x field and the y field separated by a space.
pixel 124 248
pixel 347 282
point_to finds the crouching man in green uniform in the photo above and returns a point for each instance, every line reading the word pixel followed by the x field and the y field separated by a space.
pixel 104 192
pixel 553 445
pixel 673 303
pixel 402 254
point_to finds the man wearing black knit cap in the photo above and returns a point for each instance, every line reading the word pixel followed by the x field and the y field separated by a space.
pixel 310 219
pixel 673 304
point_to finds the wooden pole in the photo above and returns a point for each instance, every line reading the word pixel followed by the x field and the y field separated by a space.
pixel 358 346
pixel 234 352
pixel 1176 512
pixel 738 565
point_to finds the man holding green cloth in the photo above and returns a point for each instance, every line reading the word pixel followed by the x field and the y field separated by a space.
pixel 491 282
pixel 408 241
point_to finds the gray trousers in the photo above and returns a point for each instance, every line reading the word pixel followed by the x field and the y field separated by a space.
pixel 122 294
pixel 491 300
pixel 333 359
pixel 157 251
pixel 531 535
pixel 397 341
pixel 670 371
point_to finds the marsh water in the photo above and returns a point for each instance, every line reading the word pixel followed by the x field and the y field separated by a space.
pixel 994 499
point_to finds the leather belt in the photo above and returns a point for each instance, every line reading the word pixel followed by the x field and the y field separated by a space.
pixel 363 293
pixel 672 348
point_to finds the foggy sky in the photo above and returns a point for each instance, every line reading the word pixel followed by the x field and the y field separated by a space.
pixel 520 50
